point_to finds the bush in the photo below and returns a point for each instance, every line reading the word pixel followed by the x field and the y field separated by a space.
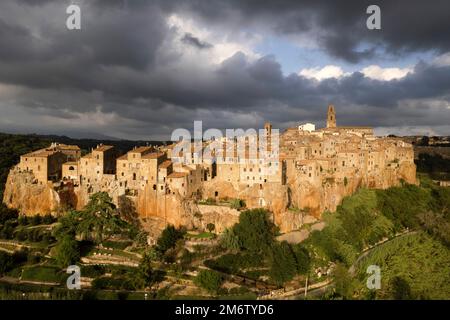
pixel 67 251
pixel 23 220
pixel 209 280
pixel 283 266
pixel 92 271
pixel 237 204
pixel 302 259
pixel 400 289
pixel 7 214
pixel 36 220
pixel 255 231
pixel 229 240
pixel 48 219
pixel 210 227
pixel 169 238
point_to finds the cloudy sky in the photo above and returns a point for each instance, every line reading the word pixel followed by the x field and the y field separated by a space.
pixel 139 69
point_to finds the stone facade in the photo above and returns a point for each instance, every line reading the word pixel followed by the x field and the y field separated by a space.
pixel 311 172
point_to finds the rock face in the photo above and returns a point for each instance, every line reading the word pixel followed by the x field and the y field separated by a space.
pixel 312 198
pixel 29 197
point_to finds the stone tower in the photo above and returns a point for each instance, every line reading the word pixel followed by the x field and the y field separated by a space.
pixel 331 117
pixel 268 132
pixel 268 128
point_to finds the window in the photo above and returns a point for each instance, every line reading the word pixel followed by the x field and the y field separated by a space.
pixel 134 176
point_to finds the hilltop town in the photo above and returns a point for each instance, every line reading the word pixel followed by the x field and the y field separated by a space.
pixel 315 170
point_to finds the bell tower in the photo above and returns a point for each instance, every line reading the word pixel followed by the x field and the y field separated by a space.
pixel 331 117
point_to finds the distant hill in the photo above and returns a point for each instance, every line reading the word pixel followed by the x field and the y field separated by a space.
pixel 87 143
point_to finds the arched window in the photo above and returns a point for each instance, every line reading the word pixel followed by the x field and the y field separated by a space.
pixel 71 168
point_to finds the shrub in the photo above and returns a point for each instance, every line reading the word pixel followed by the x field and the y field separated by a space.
pixel 48 219
pixel 169 238
pixel 255 231
pixel 210 227
pixel 283 266
pixel 302 259
pixel 209 280
pixel 35 220
pixel 67 251
pixel 23 220
pixel 7 214
pixel 237 204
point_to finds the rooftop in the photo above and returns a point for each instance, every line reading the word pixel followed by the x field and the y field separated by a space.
pixel 143 149
pixel 177 175
pixel 165 164
pixel 103 148
pixel 153 155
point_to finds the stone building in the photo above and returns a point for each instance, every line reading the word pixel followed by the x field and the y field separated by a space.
pixel 46 164
pixel 312 170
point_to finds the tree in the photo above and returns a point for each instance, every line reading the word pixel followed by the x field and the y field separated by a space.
pixel 68 224
pixel 229 240
pixel 255 231
pixel 7 214
pixel 209 280
pixel 145 271
pixel 127 210
pixel 302 259
pixel 99 218
pixel 210 227
pixel 237 204
pixel 169 238
pixel 48 219
pixel 357 224
pixel 343 282
pixel 400 289
pixel 283 266
pixel 67 251
pixel 6 262
pixel 35 220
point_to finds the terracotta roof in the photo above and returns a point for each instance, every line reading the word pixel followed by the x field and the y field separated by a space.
pixel 103 148
pixel 153 155
pixel 165 164
pixel 177 175
pixel 68 147
pixel 123 157
pixel 142 149
pixel 42 153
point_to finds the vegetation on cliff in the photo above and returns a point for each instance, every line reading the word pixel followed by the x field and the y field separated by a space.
pixel 371 217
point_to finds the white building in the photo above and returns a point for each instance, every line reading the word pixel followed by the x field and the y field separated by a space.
pixel 307 127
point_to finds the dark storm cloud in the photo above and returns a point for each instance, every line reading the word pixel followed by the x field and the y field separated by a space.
pixel 406 25
pixel 122 71
pixel 189 39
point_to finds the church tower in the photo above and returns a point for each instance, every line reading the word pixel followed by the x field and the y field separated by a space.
pixel 331 117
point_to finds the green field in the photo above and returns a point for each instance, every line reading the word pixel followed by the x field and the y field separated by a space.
pixel 418 259
pixel 42 274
